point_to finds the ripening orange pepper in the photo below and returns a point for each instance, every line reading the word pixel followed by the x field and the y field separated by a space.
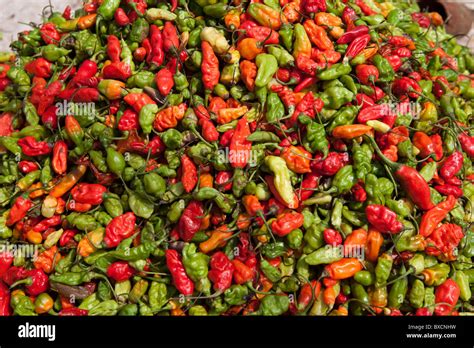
pixel 336 32
pixel 302 45
pixel 329 295
pixel 85 248
pixel 243 221
pixel 297 159
pixel 48 259
pixel 87 21
pixel 169 117
pixel 292 11
pixel 205 222
pixel 327 19
pixel 356 238
pixel 36 190
pixel 217 239
pixel 344 268
pixel 249 48
pixel 373 244
pixel 229 114
pixel 266 15
pixel 205 180
pixel 252 204
pixel 34 237
pixel 232 19
pixel 436 18
pixel 350 131
pixel 318 35
pixel 68 181
pixel 248 72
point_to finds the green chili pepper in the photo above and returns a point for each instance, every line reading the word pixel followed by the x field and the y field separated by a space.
pixel 267 67
pixel 334 72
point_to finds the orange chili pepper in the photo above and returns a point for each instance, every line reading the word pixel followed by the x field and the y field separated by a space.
pixel 206 180
pixel 205 222
pixel 232 19
pixel 327 19
pixel 344 268
pixel 217 239
pixel 47 259
pixel 373 244
pixel 248 72
pixel 36 190
pixel 252 204
pixel 391 153
pixel 318 35
pixel 297 159
pixel 350 131
pixel 68 181
pixel 356 238
pixel 243 221
pixel 229 114
pixel 292 11
pixel 87 21
pixel 249 48
pixel 85 248
pixel 329 295
pixel 169 117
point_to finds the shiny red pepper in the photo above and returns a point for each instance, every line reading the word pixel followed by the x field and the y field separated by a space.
pixel 88 193
pixel 448 294
pixel 121 227
pixel 120 271
pixel 180 279
pixel 221 271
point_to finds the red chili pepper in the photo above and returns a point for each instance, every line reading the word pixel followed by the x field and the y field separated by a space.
pixel 452 165
pixel 209 67
pixel 467 144
pixel 128 121
pixel 190 221
pixel 224 180
pixel 332 237
pixel 305 106
pixel 239 148
pixel 367 74
pixel 121 227
pixel 47 223
pixel 309 183
pixel 209 131
pixel 383 219
pixel 313 6
pixel 264 35
pixel 287 222
pixel 121 17
pixel 164 81
pixel 396 62
pixel 31 147
pixel 88 193
pixel 66 238
pixel 120 271
pixel 242 272
pixel 448 294
pixel 39 67
pixel 331 164
pixel 170 37
pixel 444 241
pixel 5 309
pixel 189 176
pixel 406 86
pixel 305 83
pixel 27 166
pixel 351 35
pixel 59 161
pixel 157 54
pixel 434 216
pixel 114 48
pixel 359 193
pixel 138 100
pixel 180 279
pixel 372 113
pixel 85 75
pixel 421 19
pixel 357 45
pixel 117 71
pixel 73 312
pixel 6 260
pixel 349 16
pixel 80 95
pixel 49 33
pixel 221 271
pixel 18 210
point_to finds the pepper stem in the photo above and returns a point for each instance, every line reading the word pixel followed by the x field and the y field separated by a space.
pixel 391 164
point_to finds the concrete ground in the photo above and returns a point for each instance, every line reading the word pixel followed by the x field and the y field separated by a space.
pixel 16 14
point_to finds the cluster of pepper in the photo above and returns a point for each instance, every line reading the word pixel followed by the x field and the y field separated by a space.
pixel 346 187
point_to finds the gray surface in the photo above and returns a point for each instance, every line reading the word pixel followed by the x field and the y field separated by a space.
pixel 15 11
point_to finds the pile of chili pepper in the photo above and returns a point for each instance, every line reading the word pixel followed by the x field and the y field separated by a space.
pixel 275 157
